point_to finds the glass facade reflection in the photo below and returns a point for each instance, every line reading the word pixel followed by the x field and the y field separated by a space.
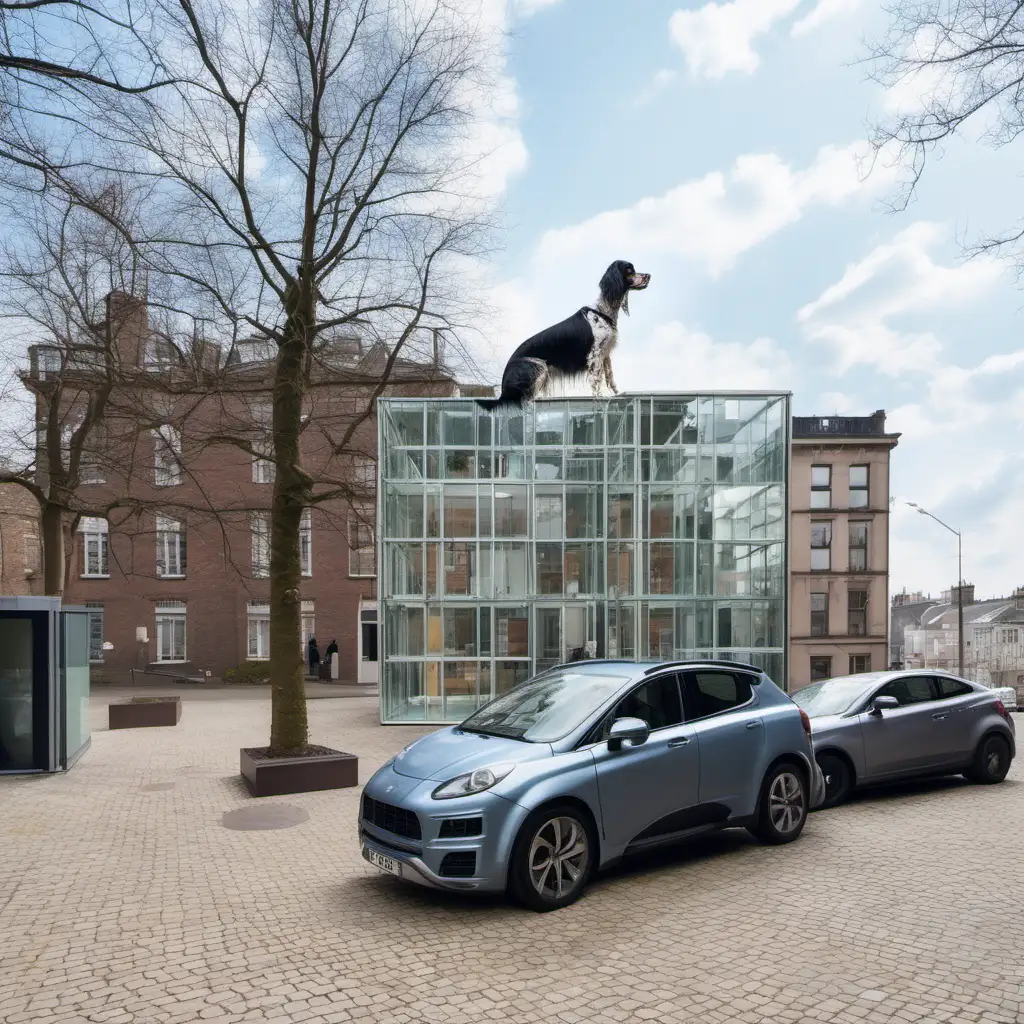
pixel 643 526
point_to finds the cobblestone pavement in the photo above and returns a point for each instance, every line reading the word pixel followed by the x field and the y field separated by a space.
pixel 123 899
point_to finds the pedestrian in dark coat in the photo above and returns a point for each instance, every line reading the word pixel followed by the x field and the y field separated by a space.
pixel 314 656
pixel 332 648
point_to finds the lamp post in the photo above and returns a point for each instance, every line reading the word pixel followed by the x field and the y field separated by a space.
pixel 960 583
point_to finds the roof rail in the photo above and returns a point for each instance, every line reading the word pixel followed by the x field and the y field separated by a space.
pixel 706 661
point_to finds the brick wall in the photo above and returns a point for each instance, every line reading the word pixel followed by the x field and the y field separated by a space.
pixel 20 561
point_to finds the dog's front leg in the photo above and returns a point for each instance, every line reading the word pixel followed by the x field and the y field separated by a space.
pixel 608 376
pixel 595 370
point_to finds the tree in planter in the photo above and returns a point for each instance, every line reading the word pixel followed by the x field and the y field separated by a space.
pixel 312 168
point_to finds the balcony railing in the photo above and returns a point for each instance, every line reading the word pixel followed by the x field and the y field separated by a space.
pixel 840 426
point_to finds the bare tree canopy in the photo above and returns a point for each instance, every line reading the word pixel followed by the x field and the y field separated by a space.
pixel 960 61
pixel 310 168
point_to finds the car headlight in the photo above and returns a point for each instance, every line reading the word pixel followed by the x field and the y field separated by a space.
pixel 472 782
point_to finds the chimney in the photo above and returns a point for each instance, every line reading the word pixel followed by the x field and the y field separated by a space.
pixel 968 594
pixel 438 348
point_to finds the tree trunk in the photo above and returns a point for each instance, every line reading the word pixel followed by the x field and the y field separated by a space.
pixel 53 550
pixel 289 730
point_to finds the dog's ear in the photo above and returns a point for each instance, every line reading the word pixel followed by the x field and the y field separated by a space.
pixel 613 286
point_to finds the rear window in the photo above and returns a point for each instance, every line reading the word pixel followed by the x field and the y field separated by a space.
pixel 711 692
pixel 953 688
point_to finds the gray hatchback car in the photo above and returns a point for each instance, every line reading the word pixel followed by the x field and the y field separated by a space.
pixel 585 763
pixel 884 726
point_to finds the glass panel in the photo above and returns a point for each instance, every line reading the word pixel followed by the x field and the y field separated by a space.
pixel 434 635
pixel 76 683
pixel 508 674
pixel 511 466
pixel 583 565
pixel 405 630
pixel 621 630
pixel 550 424
pixel 460 636
pixel 549 568
pixel 585 466
pixel 433 512
pixel 512 632
pixel 661 633
pixel 403 514
pixel 457 426
pixel 620 515
pixel 460 511
pixel 510 570
pixel 548 514
pixel 583 512
pixel 621 467
pixel 821 499
pixel 549 637
pixel 674 422
pixel 511 511
pixel 670 568
pixel 705 570
pixel 585 427
pixel 461 682
pixel 620 569
pixel 404 692
pixel 484 632
pixel 621 423
pixel 460 568
pixel 548 466
pixel 17 741
pixel 460 465
pixel 402 465
pixel 432 573
pixel 406 567
pixel 407 424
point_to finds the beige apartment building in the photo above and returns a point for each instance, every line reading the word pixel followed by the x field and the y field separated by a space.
pixel 839 546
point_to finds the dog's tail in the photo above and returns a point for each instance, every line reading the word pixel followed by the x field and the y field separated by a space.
pixel 505 398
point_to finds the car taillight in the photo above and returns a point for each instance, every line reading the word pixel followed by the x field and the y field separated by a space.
pixel 1001 708
pixel 806 722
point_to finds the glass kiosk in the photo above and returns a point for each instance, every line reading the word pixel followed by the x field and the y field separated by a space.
pixel 44 684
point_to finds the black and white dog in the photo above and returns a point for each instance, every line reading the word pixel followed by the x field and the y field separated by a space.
pixel 581 344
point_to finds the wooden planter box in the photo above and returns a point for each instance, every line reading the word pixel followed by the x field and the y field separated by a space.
pixel 142 712
pixel 277 776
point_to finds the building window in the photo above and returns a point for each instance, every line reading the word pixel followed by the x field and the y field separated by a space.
pixel 258 623
pixel 821 486
pixel 857 613
pixel 364 473
pixel 94 547
pixel 160 354
pixel 821 546
pixel 821 668
pixel 33 552
pixel 362 555
pixel 858 547
pixel 858 487
pixel 306 542
pixel 860 663
pixel 1010 636
pixel 264 471
pixel 95 631
pixel 170 631
pixel 819 614
pixel 170 548
pixel 167 456
pixel 259 523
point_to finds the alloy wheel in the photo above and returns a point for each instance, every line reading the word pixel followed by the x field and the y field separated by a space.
pixel 994 759
pixel 786 803
pixel 558 857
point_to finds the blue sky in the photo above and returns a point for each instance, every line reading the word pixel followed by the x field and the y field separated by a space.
pixel 719 146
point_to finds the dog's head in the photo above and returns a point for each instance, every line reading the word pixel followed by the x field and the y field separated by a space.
pixel 619 280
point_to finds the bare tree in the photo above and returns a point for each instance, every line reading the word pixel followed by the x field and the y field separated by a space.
pixel 312 169
pixel 962 58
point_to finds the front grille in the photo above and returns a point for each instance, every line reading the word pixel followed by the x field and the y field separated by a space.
pixel 461 828
pixel 392 819
pixel 459 865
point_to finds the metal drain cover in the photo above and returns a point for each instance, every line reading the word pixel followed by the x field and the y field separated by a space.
pixel 157 787
pixel 264 816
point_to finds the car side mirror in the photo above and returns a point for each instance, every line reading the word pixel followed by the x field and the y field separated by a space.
pixel 635 730
pixel 880 704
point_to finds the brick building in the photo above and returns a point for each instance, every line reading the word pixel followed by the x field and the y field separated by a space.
pixel 20 567
pixel 839 546
pixel 174 565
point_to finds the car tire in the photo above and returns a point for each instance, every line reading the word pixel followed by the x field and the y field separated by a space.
pixel 553 857
pixel 838 779
pixel 782 808
pixel 991 761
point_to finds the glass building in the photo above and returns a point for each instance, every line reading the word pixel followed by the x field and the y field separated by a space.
pixel 641 526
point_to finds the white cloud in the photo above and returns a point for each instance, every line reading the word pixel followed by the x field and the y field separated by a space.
pixel 824 11
pixel 853 316
pixel 718 38
pixel 712 220
pixel 675 357
pixel 660 81
pixel 527 8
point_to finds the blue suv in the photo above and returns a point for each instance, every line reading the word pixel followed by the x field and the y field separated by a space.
pixel 584 764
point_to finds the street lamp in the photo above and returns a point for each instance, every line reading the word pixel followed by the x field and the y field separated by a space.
pixel 960 582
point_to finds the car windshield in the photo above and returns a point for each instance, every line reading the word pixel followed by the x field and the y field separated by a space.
pixel 832 697
pixel 545 709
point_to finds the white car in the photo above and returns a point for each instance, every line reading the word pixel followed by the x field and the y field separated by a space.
pixel 1007 694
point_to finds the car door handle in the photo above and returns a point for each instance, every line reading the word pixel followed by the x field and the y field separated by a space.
pixel 940 716
pixel 753 725
pixel 679 741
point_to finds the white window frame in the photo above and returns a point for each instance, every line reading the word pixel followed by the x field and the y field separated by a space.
pixel 308 625
pixel 95 548
pixel 166 456
pixel 306 542
pixel 259 525
pixel 95 610
pixel 171 551
pixel 257 631
pixel 171 626
pixel 264 470
pixel 361 518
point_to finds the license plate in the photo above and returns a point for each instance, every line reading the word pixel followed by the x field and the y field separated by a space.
pixel 378 860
